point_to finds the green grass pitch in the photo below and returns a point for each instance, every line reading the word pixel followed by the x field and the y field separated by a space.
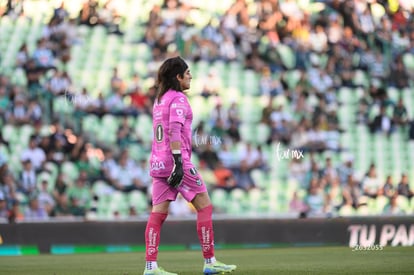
pixel 304 260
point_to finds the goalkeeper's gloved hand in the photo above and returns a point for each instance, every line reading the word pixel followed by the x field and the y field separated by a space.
pixel 177 174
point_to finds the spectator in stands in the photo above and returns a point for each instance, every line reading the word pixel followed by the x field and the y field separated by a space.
pixel 33 75
pixel 218 113
pixel 35 154
pixel 143 173
pixel 233 132
pixel 268 85
pixel 117 83
pixel 75 207
pixel 108 164
pixel 34 111
pixel 4 102
pixel 315 199
pixel 398 76
pixel 346 72
pixel 411 130
pixel 297 205
pixel 210 156
pixel 403 187
pixel 35 211
pixel 4 211
pixel 60 187
pixel 139 100
pixel 27 179
pixel 80 193
pixel 15 213
pixel 393 208
pixel 388 189
pixel 22 56
pixel 88 14
pixel 233 111
pixel 371 184
pixel 211 84
pixel 124 133
pixel 352 191
pixel 43 56
pixel 382 123
pixel 218 132
pixel 85 167
pixel 45 198
pixel 62 208
pixel 224 177
pixel 400 114
pixel 59 83
pixel 125 176
pixel 346 169
pixel 18 113
pixel 243 176
pixel 329 172
pixel 227 157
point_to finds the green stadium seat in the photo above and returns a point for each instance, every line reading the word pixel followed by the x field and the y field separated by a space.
pixel 45 176
pixel 408 60
pixel 53 169
pixel 118 204
pixel 404 204
pixel 138 200
pixel 263 132
pixel 70 170
pixel 143 128
pixel 287 56
pixel 101 188
pixel 9 132
pixel 363 210
pixel 219 198
pixel 346 211
pixel 411 206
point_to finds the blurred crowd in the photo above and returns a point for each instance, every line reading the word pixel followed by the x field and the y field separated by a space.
pixel 303 56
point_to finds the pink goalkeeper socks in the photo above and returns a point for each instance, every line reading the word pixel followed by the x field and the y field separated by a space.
pixel 152 235
pixel 205 231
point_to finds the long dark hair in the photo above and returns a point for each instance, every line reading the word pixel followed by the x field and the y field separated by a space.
pixel 167 75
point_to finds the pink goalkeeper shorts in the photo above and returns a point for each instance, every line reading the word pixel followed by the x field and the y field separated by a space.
pixel 192 185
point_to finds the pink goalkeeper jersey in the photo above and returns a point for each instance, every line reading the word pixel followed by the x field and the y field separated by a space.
pixel 173 107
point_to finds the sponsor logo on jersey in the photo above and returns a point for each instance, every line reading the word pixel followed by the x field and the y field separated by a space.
pixel 179 112
pixel 157 165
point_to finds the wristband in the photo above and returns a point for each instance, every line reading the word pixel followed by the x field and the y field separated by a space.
pixel 176 152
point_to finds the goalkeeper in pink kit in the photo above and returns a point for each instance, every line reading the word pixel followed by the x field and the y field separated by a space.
pixel 172 170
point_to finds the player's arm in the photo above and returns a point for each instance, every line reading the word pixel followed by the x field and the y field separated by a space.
pixel 177 173
pixel 178 110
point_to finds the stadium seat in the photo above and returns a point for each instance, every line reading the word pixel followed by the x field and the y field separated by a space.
pixel 363 210
pixel 101 188
pixel 9 132
pixel 219 198
pixel 118 204
pixel 53 169
pixel 138 200
pixel 287 56
pixel 408 60
pixel 403 203
pixel 143 128
pixel 45 176
pixel 70 170
pixel 346 211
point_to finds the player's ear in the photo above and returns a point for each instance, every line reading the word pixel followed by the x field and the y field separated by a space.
pixel 179 77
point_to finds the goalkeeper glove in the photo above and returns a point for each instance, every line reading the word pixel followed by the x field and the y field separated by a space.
pixel 177 174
